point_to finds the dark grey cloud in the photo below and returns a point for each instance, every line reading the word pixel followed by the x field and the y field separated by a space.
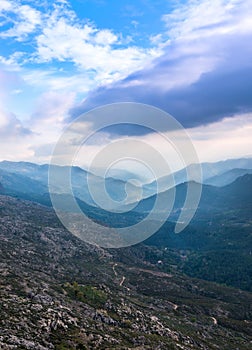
pixel 222 90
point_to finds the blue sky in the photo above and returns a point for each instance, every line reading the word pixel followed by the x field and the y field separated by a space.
pixel 191 58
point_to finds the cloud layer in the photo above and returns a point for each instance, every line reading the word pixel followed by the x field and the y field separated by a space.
pixel 198 68
pixel 205 73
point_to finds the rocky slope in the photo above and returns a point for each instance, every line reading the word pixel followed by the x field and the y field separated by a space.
pixel 57 292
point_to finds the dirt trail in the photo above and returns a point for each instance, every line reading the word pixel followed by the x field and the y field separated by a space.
pixel 123 277
pixel 215 322
pixel 113 267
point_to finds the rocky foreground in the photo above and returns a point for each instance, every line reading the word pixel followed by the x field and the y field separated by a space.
pixel 57 292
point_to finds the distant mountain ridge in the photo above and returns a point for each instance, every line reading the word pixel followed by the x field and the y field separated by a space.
pixel 213 171
pixel 18 183
pixel 212 198
pixel 33 174
pixel 30 180
pixel 228 177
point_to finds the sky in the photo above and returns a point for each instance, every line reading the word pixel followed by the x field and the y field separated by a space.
pixel 190 58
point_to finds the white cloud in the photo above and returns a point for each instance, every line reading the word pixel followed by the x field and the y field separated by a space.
pixel 52 109
pixel 105 37
pixel 53 80
pixel 60 35
pixel 5 5
pixel 205 18
pixel 26 21
pixel 11 127
pixel 229 138
pixel 97 52
pixel 17 142
pixel 3 120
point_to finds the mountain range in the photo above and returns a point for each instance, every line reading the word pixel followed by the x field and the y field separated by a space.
pixel 32 180
pixel 211 172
